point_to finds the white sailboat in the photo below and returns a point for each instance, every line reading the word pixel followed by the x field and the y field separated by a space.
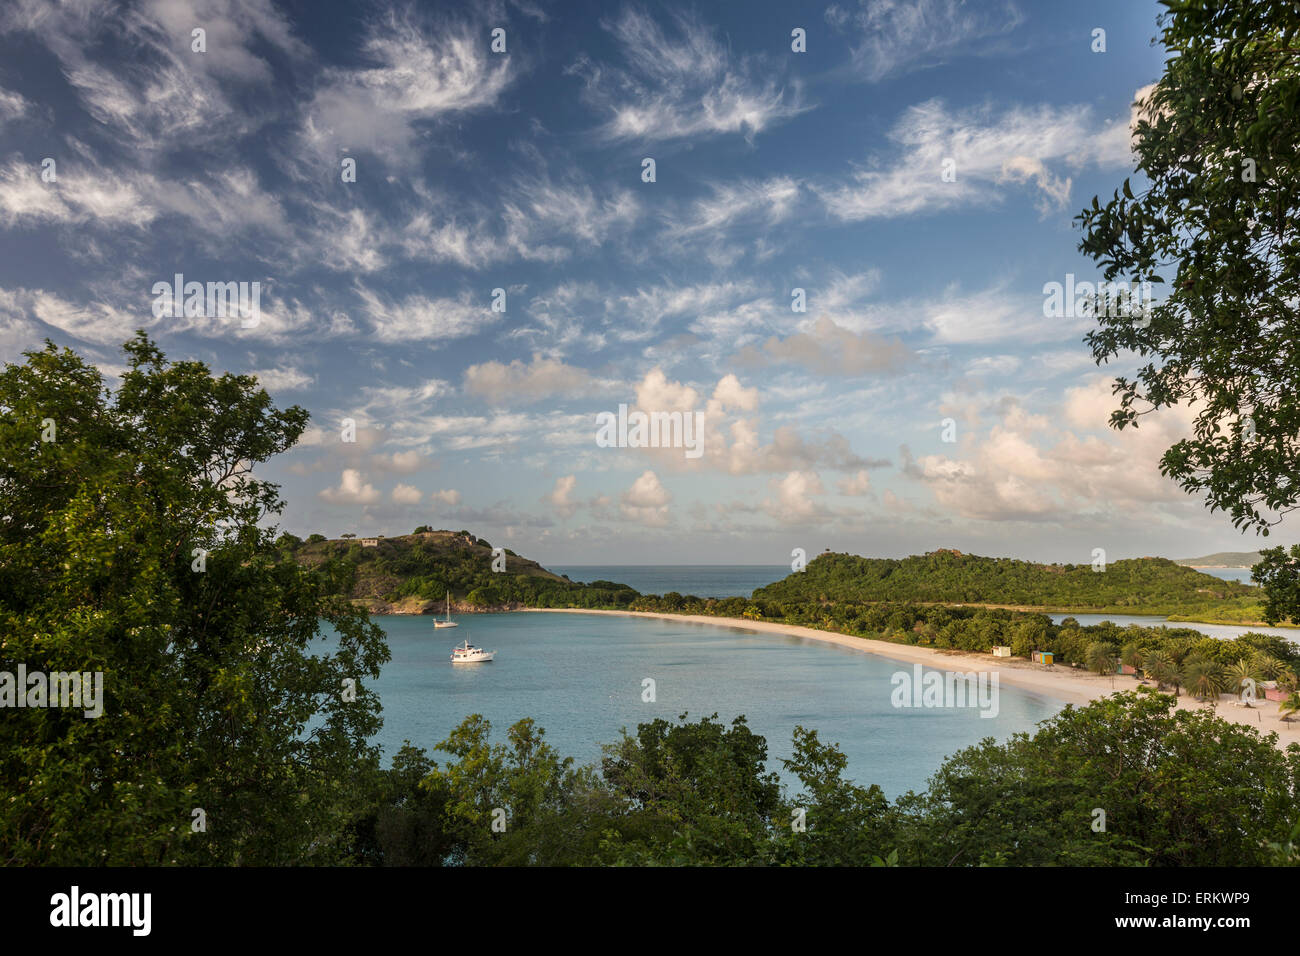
pixel 449 622
pixel 467 653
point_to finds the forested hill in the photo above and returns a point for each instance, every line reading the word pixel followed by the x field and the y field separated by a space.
pixel 411 574
pixel 1157 585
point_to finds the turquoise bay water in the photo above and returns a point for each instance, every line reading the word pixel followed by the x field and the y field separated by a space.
pixel 580 677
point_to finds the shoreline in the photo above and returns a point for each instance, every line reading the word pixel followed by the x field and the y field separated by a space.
pixel 1067 685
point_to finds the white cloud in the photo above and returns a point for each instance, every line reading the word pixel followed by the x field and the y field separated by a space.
pixel 682 85
pixel 896 36
pixel 417 318
pixel 646 501
pixel 352 489
pixel 988 150
pixel 418 73
pixel 406 494
pixel 561 496
pixel 542 378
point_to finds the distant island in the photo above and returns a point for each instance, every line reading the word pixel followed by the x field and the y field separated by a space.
pixel 1222 559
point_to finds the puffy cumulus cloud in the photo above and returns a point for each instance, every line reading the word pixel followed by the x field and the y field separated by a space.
pixel 731 439
pixel 1061 464
pixel 855 485
pixel 682 83
pixel 352 489
pixel 561 496
pixel 406 494
pixel 446 496
pixel 521 382
pixel 828 349
pixel 646 502
pixel 792 499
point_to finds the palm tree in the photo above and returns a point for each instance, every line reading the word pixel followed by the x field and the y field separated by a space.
pixel 1100 657
pixel 1288 708
pixel 1205 677
pixel 1154 662
pixel 1266 665
pixel 1243 674
pixel 1167 672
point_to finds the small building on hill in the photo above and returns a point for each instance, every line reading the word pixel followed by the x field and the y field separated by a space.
pixel 369 542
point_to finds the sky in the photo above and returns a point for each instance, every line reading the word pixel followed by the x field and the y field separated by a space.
pixel 464 258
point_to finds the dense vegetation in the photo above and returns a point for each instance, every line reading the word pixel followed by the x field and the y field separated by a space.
pixel 133 544
pixel 1178 788
pixel 1136 586
pixel 415 572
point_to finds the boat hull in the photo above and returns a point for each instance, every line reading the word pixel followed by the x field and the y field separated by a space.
pixel 482 658
pixel 441 624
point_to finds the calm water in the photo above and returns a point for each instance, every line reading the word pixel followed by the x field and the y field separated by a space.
pixel 1224 631
pixel 1230 574
pixel 704 580
pixel 580 677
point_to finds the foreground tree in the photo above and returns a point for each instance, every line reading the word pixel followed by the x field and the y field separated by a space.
pixel 1176 788
pixel 132 544
pixel 1217 224
pixel 1278 573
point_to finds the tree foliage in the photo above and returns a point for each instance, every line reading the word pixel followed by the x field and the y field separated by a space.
pixel 134 543
pixel 1214 220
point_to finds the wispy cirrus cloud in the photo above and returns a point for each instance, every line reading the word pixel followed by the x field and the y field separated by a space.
pixel 988 150
pixel 682 82
pixel 890 37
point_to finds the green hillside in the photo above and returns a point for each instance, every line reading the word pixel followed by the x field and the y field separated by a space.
pixel 412 574
pixel 1222 559
pixel 1140 585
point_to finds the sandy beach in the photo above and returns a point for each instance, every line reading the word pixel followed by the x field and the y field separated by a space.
pixel 1067 684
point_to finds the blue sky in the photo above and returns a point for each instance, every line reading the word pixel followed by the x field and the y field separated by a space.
pixel 478 170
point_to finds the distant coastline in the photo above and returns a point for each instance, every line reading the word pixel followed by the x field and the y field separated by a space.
pixel 1068 685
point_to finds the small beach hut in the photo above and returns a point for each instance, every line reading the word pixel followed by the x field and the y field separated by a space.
pixel 1001 650
pixel 1043 657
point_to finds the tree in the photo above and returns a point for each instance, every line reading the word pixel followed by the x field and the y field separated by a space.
pixel 1179 788
pixel 316 538
pixel 1100 658
pixel 1216 223
pixel 137 544
pixel 1205 678
pixel 1278 573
